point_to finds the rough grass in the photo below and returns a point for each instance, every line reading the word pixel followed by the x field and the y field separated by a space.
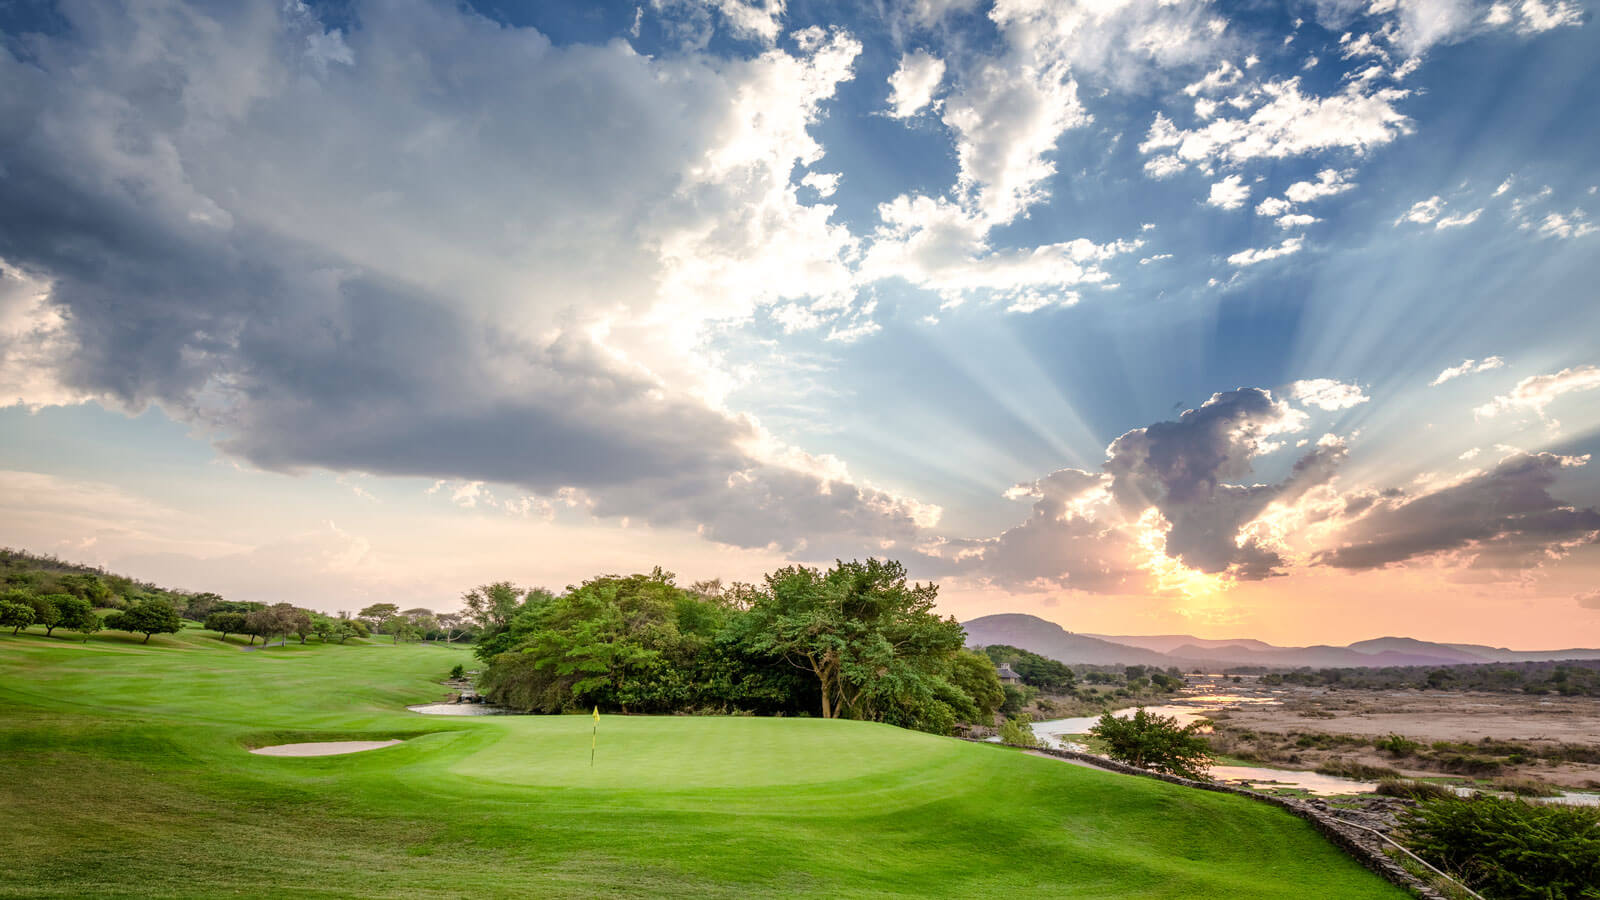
pixel 124 772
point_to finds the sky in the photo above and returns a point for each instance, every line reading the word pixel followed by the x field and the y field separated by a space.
pixel 1142 316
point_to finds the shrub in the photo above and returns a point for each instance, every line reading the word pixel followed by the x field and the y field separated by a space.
pixel 1507 848
pixel 1015 731
pixel 1412 790
pixel 1345 768
pixel 1397 745
pixel 1526 787
pixel 458 672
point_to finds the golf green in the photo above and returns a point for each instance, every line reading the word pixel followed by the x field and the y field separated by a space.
pixel 124 771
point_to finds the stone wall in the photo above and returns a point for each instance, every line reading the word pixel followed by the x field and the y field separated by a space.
pixel 1365 847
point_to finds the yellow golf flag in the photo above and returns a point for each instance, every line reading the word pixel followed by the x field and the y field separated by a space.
pixel 597 713
pixel 594 735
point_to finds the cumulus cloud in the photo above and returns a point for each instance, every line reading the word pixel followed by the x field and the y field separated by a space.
pixel 1329 182
pixel 1229 193
pixel 1590 600
pixel 1167 497
pixel 1504 518
pixel 1287 123
pixel 912 85
pixel 1327 394
pixel 1535 393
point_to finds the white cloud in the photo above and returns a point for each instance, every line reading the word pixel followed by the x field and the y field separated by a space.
pixel 1564 226
pixel 1467 367
pixel 1457 221
pixel 1251 257
pixel 1327 393
pixel 913 84
pixel 1297 220
pixel 824 183
pixel 1423 212
pixel 1273 206
pixel 1329 182
pixel 1290 123
pixel 1229 193
pixel 1535 393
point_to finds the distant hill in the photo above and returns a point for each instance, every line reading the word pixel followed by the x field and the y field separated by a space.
pixel 1049 639
pixel 1166 643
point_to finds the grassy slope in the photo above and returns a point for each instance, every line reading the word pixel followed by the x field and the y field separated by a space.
pixel 122 772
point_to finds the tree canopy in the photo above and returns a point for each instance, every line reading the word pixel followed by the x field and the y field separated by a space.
pixel 854 641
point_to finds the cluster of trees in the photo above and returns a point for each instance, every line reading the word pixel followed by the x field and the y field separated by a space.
pixel 855 641
pixel 280 620
pixel 20 609
pixel 1572 678
pixel 417 624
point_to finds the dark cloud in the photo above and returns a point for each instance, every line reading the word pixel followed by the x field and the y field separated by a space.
pixel 397 255
pixel 1506 517
pixel 1187 469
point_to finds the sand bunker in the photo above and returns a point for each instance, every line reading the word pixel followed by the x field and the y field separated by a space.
pixel 323 748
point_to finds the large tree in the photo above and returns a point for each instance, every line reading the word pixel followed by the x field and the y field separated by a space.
pixel 491 606
pixel 374 615
pixel 227 623
pixel 149 617
pixel 867 636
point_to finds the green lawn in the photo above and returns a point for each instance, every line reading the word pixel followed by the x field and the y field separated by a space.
pixel 123 772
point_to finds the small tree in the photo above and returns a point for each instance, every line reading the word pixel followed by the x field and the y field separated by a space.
pixel 299 622
pixel 226 623
pixel 150 617
pixel 45 611
pixel 323 627
pixel 88 625
pixel 1015 731
pixel 1155 742
pixel 15 616
pixel 76 613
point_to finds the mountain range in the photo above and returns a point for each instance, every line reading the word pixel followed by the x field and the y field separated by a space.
pixel 1049 639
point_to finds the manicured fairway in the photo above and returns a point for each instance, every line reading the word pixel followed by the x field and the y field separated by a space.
pixel 124 772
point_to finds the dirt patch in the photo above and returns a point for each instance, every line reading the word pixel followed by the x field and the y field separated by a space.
pixel 323 748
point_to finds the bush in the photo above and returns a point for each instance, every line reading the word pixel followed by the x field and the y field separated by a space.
pixel 1526 787
pixel 1397 745
pixel 1412 790
pixel 458 672
pixel 1155 742
pixel 1345 768
pixel 1507 848
pixel 1015 731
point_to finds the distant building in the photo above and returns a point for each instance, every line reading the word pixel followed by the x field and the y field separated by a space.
pixel 1007 676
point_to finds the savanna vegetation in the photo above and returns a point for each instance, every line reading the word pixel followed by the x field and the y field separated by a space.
pixel 1571 678
pixel 124 773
